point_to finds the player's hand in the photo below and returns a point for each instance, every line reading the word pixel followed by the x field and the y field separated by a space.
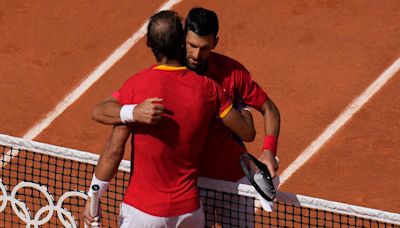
pixel 149 111
pixel 268 158
pixel 92 222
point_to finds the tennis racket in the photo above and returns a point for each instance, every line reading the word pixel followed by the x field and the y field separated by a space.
pixel 94 203
pixel 258 175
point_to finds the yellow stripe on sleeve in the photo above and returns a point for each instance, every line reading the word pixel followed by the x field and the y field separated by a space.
pixel 226 111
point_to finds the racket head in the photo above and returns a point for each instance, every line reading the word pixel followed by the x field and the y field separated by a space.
pixel 258 175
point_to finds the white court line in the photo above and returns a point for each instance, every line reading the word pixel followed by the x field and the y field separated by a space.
pixel 93 77
pixel 76 93
pixel 345 116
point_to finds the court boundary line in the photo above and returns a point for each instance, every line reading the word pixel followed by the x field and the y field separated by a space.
pixel 94 76
pixel 340 121
pixel 100 70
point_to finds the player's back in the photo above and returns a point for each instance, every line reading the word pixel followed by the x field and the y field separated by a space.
pixel 166 154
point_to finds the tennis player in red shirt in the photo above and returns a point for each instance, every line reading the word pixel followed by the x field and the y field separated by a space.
pixel 162 191
pixel 201 28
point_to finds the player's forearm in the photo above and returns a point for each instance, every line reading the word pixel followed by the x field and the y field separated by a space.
pixel 107 112
pixel 110 112
pixel 113 153
pixel 108 163
pixel 271 126
pixel 271 117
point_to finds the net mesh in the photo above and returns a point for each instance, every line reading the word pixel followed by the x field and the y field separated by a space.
pixel 39 189
pixel 61 178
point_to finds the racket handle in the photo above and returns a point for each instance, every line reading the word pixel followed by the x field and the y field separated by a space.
pixel 94 203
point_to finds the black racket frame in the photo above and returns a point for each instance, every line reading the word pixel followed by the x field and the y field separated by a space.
pixel 264 172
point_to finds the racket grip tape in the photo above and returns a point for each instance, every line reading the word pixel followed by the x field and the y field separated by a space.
pixel 94 203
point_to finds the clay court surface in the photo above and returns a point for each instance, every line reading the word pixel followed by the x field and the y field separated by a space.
pixel 312 57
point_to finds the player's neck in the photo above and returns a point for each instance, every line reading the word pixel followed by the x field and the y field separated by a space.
pixel 169 62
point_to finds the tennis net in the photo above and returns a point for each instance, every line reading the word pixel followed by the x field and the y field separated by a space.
pixel 44 186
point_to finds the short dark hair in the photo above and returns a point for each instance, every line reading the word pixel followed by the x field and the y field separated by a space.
pixel 202 21
pixel 165 35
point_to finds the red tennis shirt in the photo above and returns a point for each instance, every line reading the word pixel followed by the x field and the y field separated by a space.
pixel 166 155
pixel 220 159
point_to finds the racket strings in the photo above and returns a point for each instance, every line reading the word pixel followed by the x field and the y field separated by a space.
pixel 259 176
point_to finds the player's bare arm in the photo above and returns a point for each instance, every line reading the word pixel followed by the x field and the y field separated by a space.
pixel 109 161
pixel 109 112
pixel 241 123
pixel 271 127
pixel 113 152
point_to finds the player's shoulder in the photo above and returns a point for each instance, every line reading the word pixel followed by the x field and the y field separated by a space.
pixel 202 82
pixel 144 72
pixel 138 75
pixel 223 60
pixel 200 79
pixel 222 66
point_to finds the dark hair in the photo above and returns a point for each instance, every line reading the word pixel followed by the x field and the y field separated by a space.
pixel 165 35
pixel 202 21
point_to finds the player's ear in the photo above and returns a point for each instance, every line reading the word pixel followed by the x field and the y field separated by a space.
pixel 216 39
pixel 148 43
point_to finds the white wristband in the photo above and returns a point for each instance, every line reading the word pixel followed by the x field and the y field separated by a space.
pixel 126 113
pixel 103 185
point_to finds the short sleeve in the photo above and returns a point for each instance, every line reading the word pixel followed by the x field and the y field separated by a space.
pixel 223 102
pixel 125 94
pixel 248 90
pixel 115 95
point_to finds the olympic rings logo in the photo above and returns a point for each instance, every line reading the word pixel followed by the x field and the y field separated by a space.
pixel 20 209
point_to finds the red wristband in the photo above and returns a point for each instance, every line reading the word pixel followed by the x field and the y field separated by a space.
pixel 270 143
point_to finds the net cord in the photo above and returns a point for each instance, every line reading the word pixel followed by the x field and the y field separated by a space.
pixel 57 151
pixel 218 185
